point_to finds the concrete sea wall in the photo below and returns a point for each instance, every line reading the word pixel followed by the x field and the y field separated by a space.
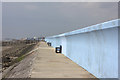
pixel 95 48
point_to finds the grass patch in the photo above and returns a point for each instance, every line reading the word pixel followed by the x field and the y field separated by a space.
pixel 20 58
pixel 23 54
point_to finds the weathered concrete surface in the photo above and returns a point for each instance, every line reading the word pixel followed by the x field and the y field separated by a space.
pixel 48 64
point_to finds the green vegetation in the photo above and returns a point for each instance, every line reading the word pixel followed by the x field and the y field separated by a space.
pixel 20 58
pixel 15 53
pixel 23 53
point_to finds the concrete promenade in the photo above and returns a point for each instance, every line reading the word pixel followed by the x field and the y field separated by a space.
pixel 48 64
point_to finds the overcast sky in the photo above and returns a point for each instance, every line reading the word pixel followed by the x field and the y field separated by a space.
pixel 29 19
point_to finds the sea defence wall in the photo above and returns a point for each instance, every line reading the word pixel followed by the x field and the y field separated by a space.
pixel 95 48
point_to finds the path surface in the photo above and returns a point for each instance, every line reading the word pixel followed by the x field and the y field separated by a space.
pixel 48 64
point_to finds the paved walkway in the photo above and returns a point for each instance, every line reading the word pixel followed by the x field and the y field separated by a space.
pixel 48 64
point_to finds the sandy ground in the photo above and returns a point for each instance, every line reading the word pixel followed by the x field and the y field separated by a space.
pixel 6 47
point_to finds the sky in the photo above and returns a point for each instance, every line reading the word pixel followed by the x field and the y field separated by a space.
pixel 29 19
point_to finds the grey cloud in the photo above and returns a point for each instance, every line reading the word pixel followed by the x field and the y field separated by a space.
pixel 46 19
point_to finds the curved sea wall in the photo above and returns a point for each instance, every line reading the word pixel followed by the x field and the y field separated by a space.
pixel 95 48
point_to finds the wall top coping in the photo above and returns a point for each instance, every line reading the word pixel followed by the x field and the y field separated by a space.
pixel 104 25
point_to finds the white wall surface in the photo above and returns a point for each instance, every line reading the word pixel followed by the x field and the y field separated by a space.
pixel 95 50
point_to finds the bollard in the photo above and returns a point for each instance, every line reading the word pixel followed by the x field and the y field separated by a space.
pixel 49 44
